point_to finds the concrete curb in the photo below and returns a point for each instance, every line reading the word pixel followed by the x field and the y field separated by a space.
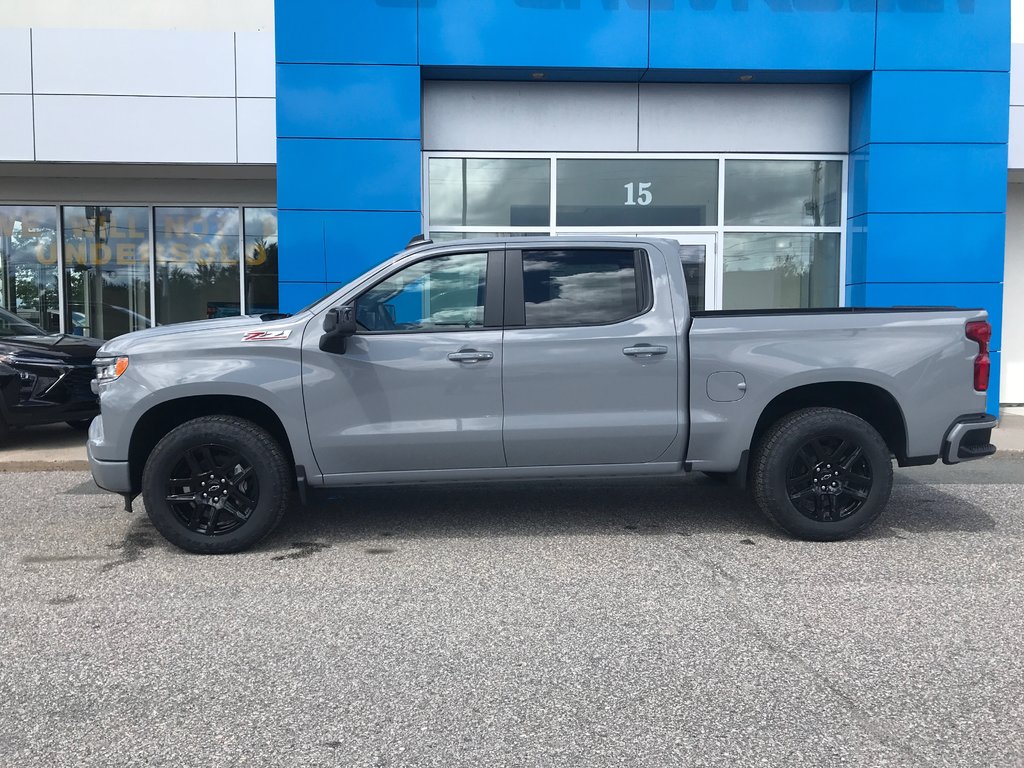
pixel 73 465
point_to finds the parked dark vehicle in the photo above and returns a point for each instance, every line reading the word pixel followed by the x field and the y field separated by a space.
pixel 44 378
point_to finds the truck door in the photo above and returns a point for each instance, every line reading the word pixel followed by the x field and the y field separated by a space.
pixel 591 369
pixel 419 385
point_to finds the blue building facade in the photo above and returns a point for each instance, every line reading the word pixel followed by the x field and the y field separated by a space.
pixel 926 83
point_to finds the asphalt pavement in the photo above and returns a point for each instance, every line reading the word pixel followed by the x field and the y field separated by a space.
pixel 627 623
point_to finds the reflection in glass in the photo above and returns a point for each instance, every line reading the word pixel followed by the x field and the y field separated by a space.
pixel 489 192
pixel 106 266
pixel 579 287
pixel 621 193
pixel 767 271
pixel 28 264
pixel 445 293
pixel 196 264
pixel 260 260
pixel 785 193
pixel 694 259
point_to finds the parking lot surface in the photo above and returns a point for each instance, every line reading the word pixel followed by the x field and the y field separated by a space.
pixel 626 623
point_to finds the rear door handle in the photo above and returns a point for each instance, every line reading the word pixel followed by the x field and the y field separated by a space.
pixel 470 356
pixel 645 350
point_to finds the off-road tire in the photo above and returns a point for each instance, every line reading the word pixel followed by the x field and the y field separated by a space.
pixel 777 450
pixel 270 467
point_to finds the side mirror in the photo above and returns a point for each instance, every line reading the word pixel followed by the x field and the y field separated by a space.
pixel 339 324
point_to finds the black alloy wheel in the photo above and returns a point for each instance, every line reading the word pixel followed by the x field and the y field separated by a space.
pixel 829 478
pixel 216 484
pixel 213 489
pixel 822 474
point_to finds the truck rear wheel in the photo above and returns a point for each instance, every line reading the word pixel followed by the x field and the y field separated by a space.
pixel 822 474
pixel 216 484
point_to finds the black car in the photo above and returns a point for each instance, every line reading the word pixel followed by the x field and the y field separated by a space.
pixel 44 378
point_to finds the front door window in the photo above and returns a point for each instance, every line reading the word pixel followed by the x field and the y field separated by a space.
pixel 446 293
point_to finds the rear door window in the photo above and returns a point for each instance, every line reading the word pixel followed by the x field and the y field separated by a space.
pixel 582 286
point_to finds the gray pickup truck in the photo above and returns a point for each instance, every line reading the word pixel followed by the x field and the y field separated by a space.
pixel 533 358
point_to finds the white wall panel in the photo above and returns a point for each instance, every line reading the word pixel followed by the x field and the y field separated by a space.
pixel 255 64
pixel 1017 75
pixel 257 131
pixel 16 127
pixel 135 129
pixel 15 61
pixel 1016 147
pixel 1011 388
pixel 133 62
pixel 480 116
pixel 744 118
pixel 227 15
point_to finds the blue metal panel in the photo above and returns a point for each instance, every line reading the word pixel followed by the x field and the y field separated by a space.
pixel 293 296
pixel 943 34
pixel 939 107
pixel 302 238
pixel 348 102
pixel 857 191
pixel 763 34
pixel 349 32
pixel 344 174
pixel 359 240
pixel 551 74
pixel 534 33
pixel 928 178
pixel 860 112
pixel 992 404
pixel 944 247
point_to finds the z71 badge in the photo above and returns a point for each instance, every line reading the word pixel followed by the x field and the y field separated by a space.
pixel 267 335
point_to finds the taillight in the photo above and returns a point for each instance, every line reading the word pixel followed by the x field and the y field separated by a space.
pixel 981 332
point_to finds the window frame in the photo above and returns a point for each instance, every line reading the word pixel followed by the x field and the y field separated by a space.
pixel 515 301
pixel 718 229
pixel 493 291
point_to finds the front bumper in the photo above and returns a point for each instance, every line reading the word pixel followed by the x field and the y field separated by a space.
pixel 969 438
pixel 109 475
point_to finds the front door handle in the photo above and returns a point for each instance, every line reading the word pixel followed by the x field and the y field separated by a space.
pixel 470 356
pixel 645 350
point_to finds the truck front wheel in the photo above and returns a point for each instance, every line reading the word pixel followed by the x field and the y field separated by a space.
pixel 822 474
pixel 216 484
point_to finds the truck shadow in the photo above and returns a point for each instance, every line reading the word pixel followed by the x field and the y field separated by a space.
pixel 647 507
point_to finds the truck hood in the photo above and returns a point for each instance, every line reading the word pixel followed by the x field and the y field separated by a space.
pixel 122 344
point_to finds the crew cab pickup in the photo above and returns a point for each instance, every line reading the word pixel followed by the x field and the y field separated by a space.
pixel 534 358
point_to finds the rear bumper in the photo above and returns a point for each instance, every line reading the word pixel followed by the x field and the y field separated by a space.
pixel 969 438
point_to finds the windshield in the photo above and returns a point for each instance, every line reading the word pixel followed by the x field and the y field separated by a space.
pixel 12 325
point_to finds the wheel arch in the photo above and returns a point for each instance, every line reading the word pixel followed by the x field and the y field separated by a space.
pixel 165 416
pixel 874 404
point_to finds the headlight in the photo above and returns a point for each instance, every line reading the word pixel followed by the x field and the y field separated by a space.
pixel 110 368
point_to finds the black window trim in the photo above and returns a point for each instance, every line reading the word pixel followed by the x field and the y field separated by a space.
pixel 493 291
pixel 515 302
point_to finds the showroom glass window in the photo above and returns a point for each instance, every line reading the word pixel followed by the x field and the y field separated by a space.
pixel 489 192
pixel 261 271
pixel 637 193
pixel 782 269
pixel 28 264
pixel 774 240
pixel 106 269
pixel 197 263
